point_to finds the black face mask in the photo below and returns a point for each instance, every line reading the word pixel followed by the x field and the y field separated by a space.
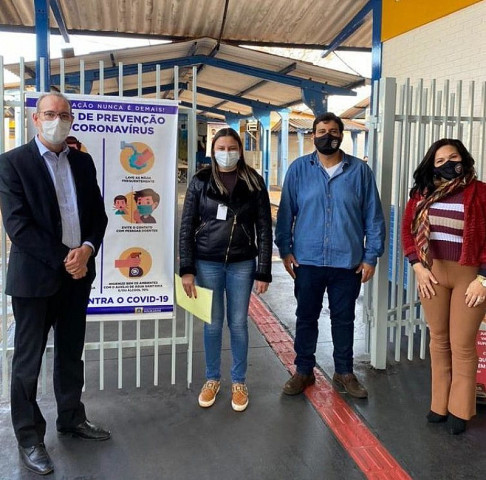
pixel 450 170
pixel 327 144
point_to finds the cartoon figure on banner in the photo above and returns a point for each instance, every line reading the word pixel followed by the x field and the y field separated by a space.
pixel 135 262
pixel 136 157
pixel 120 205
pixel 147 200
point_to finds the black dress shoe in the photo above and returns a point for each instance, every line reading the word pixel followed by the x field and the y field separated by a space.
pixel 85 430
pixel 36 459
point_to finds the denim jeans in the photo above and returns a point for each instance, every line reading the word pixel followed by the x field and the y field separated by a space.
pixel 343 287
pixel 236 279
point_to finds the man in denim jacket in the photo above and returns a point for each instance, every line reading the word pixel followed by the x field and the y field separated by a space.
pixel 330 232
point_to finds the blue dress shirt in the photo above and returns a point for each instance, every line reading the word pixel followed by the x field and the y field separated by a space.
pixel 330 221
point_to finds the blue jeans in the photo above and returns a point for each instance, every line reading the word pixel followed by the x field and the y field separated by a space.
pixel 237 280
pixel 343 287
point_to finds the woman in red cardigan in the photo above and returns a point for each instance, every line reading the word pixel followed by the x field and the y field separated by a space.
pixel 444 238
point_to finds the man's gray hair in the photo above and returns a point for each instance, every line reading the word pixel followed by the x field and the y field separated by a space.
pixel 55 94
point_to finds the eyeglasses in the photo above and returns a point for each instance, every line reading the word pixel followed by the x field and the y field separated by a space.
pixel 64 116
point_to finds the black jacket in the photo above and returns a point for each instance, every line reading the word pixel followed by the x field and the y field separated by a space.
pixel 32 219
pixel 204 237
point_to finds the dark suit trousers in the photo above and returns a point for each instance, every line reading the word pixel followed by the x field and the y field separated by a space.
pixel 65 311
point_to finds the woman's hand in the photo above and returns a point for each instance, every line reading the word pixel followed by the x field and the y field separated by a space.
pixel 475 294
pixel 260 287
pixel 188 285
pixel 425 281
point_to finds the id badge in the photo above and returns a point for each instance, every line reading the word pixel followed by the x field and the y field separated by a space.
pixel 222 212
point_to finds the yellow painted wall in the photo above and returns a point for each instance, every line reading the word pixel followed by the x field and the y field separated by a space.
pixel 400 16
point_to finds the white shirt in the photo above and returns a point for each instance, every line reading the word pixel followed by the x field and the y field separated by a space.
pixel 62 177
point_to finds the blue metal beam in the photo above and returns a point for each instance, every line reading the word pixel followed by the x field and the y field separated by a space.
pixel 113 72
pixel 215 110
pixel 376 50
pixel 133 92
pixel 237 99
pixel 315 101
pixel 349 29
pixel 59 16
pixel 42 43
pixel 283 71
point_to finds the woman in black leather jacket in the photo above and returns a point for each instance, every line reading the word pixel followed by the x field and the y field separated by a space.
pixel 226 223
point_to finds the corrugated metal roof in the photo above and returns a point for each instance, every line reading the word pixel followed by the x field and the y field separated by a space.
pixel 210 77
pixel 264 22
pixel 357 111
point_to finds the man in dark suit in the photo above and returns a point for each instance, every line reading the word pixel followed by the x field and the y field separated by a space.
pixel 55 217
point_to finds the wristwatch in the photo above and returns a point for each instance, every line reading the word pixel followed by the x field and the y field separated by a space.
pixel 481 280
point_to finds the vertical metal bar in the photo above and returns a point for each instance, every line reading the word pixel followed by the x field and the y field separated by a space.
pixel 173 350
pixel 383 153
pixel 190 346
pixel 157 82
pixel 470 121
pixel 120 354
pixel 156 351
pixel 176 82
pixel 42 69
pixel 21 131
pixel 41 11
pixel 62 78
pixel 440 118
pixel 139 80
pixel 446 106
pixel 368 313
pixel 137 354
pixel 402 169
pixel 459 128
pixel 102 355
pixel 81 77
pixel 480 167
pixel 120 79
pixel 423 340
pixel 101 87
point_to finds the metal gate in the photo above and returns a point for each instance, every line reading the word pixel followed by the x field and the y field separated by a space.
pixel 137 338
pixel 406 119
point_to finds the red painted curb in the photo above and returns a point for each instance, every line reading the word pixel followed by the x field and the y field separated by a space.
pixel 370 455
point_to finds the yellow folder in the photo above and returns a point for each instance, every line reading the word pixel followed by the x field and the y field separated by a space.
pixel 200 306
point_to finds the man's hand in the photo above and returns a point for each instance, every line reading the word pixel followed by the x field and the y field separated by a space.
pixel 76 261
pixel 366 270
pixel 188 285
pixel 290 263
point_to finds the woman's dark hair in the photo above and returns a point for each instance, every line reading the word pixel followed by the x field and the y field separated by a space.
pixel 246 173
pixel 424 173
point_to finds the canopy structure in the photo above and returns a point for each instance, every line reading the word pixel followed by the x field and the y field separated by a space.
pixel 231 81
pixel 324 25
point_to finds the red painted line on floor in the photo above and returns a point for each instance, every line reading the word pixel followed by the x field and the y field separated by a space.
pixel 370 455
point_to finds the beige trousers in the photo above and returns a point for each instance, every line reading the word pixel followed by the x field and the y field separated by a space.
pixel 453 327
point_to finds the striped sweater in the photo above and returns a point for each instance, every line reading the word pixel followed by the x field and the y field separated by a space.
pixel 458 227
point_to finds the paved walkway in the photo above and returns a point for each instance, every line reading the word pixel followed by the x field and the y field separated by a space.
pixel 161 432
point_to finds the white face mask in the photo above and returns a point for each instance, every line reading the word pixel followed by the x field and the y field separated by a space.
pixel 55 131
pixel 227 159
